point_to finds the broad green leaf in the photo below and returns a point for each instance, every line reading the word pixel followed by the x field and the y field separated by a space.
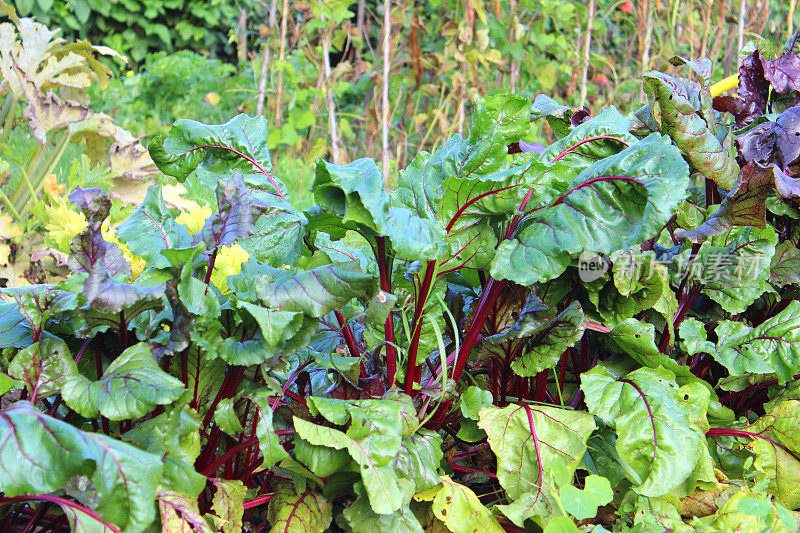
pixel 361 518
pixel 418 459
pixel 43 367
pixel 292 510
pixel 373 455
pixel 583 504
pixel 511 114
pixel 459 508
pixel 473 401
pixel 618 201
pixel 740 512
pixel 276 326
pixel 52 452
pixel 238 145
pixel 561 524
pixel 534 445
pixel 228 504
pixel 321 460
pixel 131 386
pixel 226 418
pixel 151 229
pixel 654 435
pixel 687 118
pixel 13 329
pixel 315 292
pixel 174 437
pixel 771 347
pixel 268 442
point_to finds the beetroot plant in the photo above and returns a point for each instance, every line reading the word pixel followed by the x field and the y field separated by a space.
pixel 597 334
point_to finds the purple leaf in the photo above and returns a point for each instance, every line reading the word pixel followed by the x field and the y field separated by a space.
pixel 775 143
pixel 751 99
pixel 783 73
pixel 89 251
pixel 236 218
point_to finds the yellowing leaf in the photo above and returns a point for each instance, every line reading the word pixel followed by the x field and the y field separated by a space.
pixel 229 262
pixel 459 508
pixel 194 219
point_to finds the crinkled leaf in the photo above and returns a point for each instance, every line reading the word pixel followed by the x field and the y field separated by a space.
pixel 771 347
pixel 534 445
pixel 617 201
pixel 40 454
pixel 637 339
pixel 783 73
pixel 276 326
pixel 228 503
pixel 181 514
pixel 315 292
pixel 686 117
pixel 752 92
pixel 237 215
pixel 151 229
pixel 773 142
pixel 459 508
pixel 549 341
pixel 43 367
pixel 292 510
pixel 237 145
pixel 89 251
pixel 418 459
pixel 654 435
pixel 174 437
pixel 131 386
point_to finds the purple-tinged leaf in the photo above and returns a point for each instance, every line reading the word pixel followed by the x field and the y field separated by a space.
pixel 237 215
pixel 785 268
pixel 107 296
pixel 783 73
pixel 89 251
pixel 750 101
pixel 775 142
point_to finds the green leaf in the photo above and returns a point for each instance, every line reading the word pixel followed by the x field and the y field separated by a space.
pixel 237 145
pixel 618 201
pixel 151 229
pixel 174 437
pixel 583 504
pixel 771 347
pixel 534 445
pixel 418 459
pixel 459 508
pixel 276 326
pixel 637 339
pixel 268 442
pixel 785 267
pixel 361 518
pixel 13 330
pixel 654 435
pixel 474 400
pixel 372 452
pixel 292 510
pixel 550 340
pixel 53 451
pixel 321 460
pixel 226 418
pixel 43 367
pixel 686 116
pixel 561 524
pixel 131 386
pixel 179 513
pixel 315 292
pixel 228 503
pixel 778 459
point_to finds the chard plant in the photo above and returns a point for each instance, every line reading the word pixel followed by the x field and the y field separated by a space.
pixel 599 334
